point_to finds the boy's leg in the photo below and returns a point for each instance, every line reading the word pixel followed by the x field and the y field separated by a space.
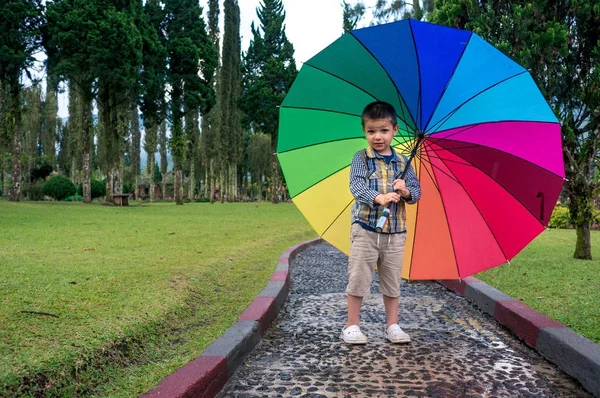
pixel 361 262
pixel 354 304
pixel 390 268
pixel 391 310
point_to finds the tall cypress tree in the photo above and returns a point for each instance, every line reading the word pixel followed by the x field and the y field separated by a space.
pixel 192 58
pixel 152 100
pixel 269 71
pixel 207 137
pixel 116 54
pixel 69 40
pixel 227 118
pixel 20 23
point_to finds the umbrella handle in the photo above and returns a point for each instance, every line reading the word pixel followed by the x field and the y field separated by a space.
pixel 383 219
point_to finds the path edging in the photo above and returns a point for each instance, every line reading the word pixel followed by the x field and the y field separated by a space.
pixel 206 375
pixel 570 352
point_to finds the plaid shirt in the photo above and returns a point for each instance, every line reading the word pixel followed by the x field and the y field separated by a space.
pixel 374 178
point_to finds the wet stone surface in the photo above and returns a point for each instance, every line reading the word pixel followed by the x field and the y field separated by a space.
pixel 456 351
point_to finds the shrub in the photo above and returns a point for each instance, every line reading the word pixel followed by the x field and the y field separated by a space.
pixel 559 218
pixel 33 190
pixel 58 188
pixel 202 200
pixel 74 198
pixel 98 189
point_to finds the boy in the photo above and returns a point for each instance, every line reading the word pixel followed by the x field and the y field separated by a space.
pixel 375 184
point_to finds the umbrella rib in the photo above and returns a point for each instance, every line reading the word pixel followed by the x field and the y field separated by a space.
pixel 319 143
pixel 403 102
pixel 462 129
pixel 446 214
pixel 434 166
pixel 448 82
pixel 361 89
pixel 306 108
pixel 441 140
pixel 419 115
pixel 338 216
pixel 503 187
pixel 478 210
pixel 441 122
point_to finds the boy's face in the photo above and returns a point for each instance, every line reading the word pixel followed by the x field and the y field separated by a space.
pixel 379 133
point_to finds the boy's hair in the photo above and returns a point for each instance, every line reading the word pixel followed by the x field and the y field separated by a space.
pixel 379 110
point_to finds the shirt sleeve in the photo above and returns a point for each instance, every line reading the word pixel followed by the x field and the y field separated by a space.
pixel 413 185
pixel 358 184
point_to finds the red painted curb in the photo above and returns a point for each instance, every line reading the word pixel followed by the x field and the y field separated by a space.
pixel 284 260
pixel 522 320
pixel 279 276
pixel 202 377
pixel 457 287
pixel 260 310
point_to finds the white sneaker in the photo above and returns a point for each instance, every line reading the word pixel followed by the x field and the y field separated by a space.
pixel 396 335
pixel 353 335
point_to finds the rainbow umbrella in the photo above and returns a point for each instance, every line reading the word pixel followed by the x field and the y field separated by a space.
pixel 489 155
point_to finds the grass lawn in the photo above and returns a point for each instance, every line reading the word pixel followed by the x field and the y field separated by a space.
pixel 105 301
pixel 547 278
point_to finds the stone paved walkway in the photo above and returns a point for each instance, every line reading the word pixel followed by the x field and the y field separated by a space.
pixel 456 350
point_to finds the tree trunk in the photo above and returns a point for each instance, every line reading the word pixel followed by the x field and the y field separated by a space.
pixel 86 133
pixel 233 183
pixel 178 185
pixel 583 246
pixel 581 212
pixel 192 186
pixel 109 186
pixel 212 181
pixel 275 182
pixel 87 176
pixel 135 146
pixel 222 184
pixel 206 186
pixel 17 163
pixel 151 164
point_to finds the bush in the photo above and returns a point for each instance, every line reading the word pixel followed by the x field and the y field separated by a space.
pixel 98 189
pixel 202 200
pixel 559 218
pixel 74 198
pixel 58 188
pixel 33 190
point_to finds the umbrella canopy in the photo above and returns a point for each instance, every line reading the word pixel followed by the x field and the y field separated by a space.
pixel 489 159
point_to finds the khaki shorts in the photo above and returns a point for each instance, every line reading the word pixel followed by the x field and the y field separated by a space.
pixel 368 248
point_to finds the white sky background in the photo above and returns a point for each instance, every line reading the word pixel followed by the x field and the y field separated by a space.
pixel 310 25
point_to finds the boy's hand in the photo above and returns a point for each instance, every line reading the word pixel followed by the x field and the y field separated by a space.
pixel 384 200
pixel 400 187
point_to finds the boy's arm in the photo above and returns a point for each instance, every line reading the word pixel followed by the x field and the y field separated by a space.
pixel 413 185
pixel 358 184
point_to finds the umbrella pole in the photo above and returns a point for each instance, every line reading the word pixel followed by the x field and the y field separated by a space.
pixel 386 211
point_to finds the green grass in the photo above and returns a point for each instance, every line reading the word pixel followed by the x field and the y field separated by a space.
pixel 137 291
pixel 547 278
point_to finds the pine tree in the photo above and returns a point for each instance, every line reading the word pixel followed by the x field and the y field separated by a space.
pixel 227 117
pixel 152 100
pixel 207 137
pixel 68 39
pixel 20 23
pixel 269 71
pixel 192 56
